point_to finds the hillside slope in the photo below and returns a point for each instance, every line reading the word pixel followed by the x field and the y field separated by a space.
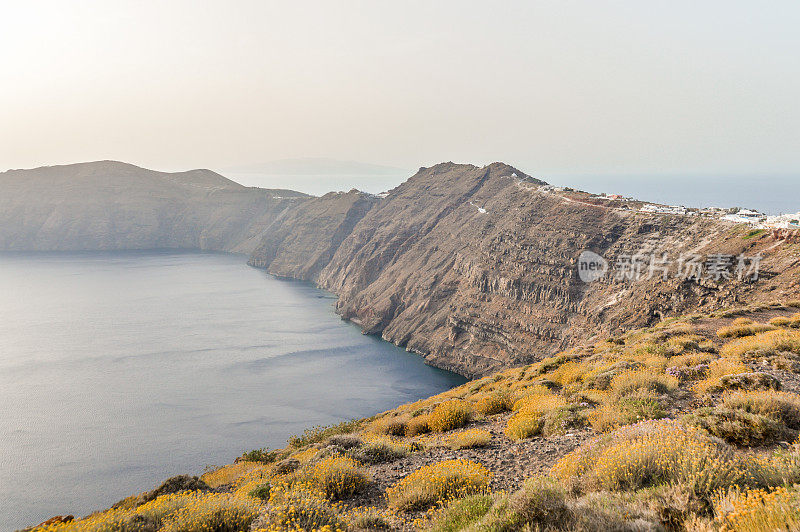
pixel 108 205
pixel 687 425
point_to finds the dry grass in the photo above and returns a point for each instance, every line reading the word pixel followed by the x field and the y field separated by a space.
pixel 743 327
pixel 469 439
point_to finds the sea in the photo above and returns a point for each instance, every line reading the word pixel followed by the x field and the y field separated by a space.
pixel 120 369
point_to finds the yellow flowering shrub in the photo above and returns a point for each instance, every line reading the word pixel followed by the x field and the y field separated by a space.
pixel 630 381
pixel 716 370
pixel 300 507
pixel 653 453
pixel 417 425
pixel 773 341
pixel 758 510
pixel 436 483
pixel 230 473
pixel 338 477
pixel 176 512
pixel 539 403
pixel 219 512
pixel 449 415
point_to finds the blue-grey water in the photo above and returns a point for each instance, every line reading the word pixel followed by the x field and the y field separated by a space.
pixel 118 370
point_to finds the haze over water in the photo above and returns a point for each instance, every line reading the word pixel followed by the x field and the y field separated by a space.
pixel 118 370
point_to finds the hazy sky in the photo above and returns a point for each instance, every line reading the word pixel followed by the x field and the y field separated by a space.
pixel 561 87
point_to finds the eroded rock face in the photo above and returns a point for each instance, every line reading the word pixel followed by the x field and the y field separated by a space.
pixel 302 241
pixel 108 205
pixel 475 268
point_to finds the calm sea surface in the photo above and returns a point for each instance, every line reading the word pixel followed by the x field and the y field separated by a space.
pixel 118 370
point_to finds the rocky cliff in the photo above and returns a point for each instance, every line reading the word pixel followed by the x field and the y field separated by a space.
pixel 476 268
pixel 302 241
pixel 108 205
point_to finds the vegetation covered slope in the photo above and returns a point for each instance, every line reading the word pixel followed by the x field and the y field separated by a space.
pixel 108 205
pixel 687 425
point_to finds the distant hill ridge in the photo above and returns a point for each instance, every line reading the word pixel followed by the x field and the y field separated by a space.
pixel 110 205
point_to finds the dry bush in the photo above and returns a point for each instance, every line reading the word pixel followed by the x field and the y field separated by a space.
pixel 459 513
pixel 563 419
pixel 656 453
pixel 449 415
pixel 780 406
pixel 494 403
pixel 469 439
pixel 524 424
pixel 438 482
pixel 417 425
pixel 631 381
pixel 389 425
pixel 737 426
pixel 743 328
pixel 625 411
pixel 379 450
pixel 769 342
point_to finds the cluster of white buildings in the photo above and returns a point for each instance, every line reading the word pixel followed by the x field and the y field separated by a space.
pixel 665 209
pixel 762 221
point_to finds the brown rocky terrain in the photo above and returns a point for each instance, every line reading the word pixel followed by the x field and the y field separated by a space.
pixel 108 205
pixel 476 268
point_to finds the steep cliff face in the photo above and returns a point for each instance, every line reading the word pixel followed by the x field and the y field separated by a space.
pixel 109 205
pixel 475 268
pixel 303 240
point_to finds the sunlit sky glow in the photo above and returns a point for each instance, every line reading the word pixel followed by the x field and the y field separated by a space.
pixel 561 87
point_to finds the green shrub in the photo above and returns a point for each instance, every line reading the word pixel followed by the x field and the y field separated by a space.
pixel 321 433
pixel 780 406
pixel 737 426
pixel 564 418
pixel 379 451
pixel 459 513
pixel 261 492
pixel 260 455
